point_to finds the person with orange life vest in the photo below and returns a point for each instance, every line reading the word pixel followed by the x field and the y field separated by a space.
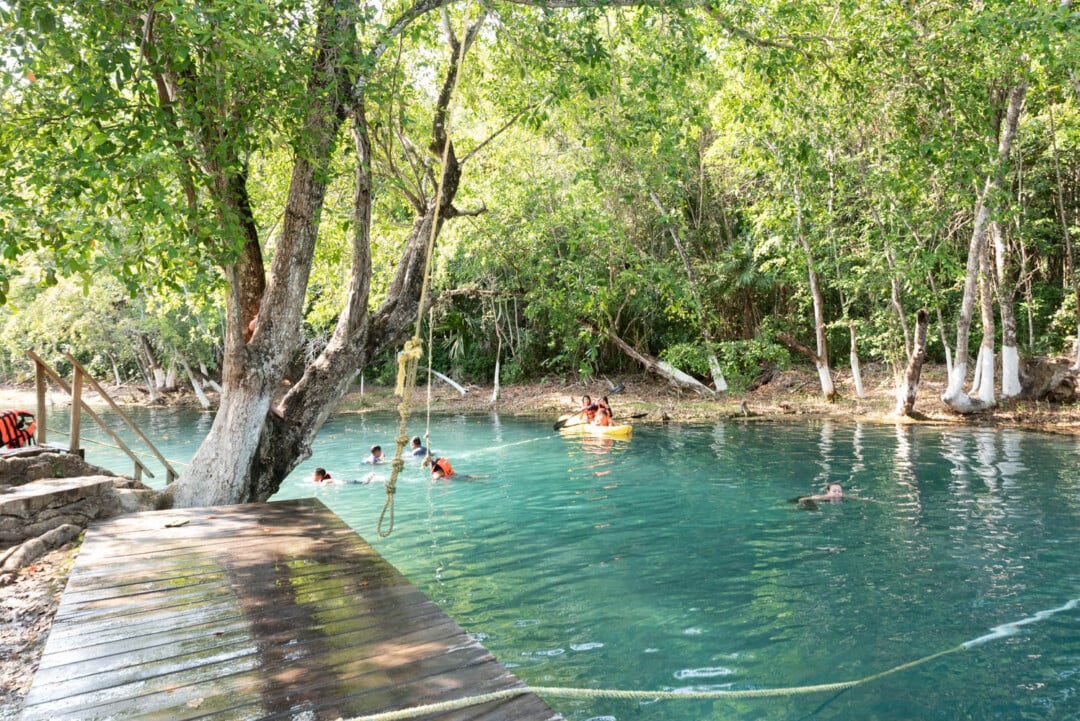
pixel 588 410
pixel 603 413
pixel 16 428
pixel 440 468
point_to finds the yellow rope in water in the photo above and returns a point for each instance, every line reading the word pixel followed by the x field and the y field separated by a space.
pixel 456 704
pixel 409 357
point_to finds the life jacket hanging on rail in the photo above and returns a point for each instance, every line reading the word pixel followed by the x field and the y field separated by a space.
pixel 16 428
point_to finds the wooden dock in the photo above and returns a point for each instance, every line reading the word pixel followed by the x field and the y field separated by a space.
pixel 260 611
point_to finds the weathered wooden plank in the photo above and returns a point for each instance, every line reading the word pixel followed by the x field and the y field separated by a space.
pixel 252 612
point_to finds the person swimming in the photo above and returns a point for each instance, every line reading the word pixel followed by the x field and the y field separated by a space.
pixel 833 492
pixel 376 456
pixel 440 468
pixel 418 450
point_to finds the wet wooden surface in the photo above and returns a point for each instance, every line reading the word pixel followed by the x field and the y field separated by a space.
pixel 259 611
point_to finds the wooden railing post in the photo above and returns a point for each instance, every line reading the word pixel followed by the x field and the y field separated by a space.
pixel 39 384
pixel 76 411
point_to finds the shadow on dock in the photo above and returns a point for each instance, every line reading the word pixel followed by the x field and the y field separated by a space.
pixel 260 611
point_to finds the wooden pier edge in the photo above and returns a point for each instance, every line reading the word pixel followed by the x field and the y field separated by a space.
pixel 258 611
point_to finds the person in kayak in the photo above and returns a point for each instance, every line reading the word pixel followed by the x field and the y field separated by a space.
pixel 602 416
pixel 588 409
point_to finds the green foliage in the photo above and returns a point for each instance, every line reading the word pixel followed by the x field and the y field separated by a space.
pixel 766 140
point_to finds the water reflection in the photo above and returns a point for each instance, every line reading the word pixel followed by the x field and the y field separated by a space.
pixel 675 553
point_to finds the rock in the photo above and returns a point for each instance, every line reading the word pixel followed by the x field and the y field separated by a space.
pixel 30 551
pixel 131 500
pixel 1047 379
pixel 19 470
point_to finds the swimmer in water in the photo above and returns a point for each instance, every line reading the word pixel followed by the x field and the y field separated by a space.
pixel 833 492
pixel 321 476
pixel 375 458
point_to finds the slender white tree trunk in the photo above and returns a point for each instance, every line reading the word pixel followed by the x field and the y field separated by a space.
pixel 954 395
pixel 822 358
pixel 856 373
pixel 196 386
pixel 1006 291
pixel 498 358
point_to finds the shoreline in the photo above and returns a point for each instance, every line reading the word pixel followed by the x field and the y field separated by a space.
pixel 792 394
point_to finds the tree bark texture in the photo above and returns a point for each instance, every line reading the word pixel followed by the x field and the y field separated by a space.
pixel 910 388
pixel 281 439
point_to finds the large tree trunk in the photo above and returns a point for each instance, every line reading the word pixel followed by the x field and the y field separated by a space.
pixel 225 469
pixel 273 443
pixel 905 400
pixel 954 395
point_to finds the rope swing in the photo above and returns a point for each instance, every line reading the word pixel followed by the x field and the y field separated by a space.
pixel 410 355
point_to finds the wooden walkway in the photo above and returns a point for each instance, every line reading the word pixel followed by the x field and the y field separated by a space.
pixel 261 611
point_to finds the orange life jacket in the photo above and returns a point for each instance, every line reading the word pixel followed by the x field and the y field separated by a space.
pixel 441 464
pixel 16 428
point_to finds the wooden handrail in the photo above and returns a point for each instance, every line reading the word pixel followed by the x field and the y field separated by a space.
pixel 46 370
pixel 170 473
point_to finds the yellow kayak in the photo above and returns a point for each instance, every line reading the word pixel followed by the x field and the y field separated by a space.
pixel 571 424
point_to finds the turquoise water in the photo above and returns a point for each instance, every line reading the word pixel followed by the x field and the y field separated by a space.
pixel 675 562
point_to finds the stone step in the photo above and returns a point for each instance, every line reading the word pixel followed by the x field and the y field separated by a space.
pixel 27 511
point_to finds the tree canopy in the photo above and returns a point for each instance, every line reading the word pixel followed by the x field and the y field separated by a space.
pixel 250 186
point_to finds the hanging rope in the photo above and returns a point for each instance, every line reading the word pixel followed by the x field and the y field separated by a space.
pixel 410 355
pixel 594 693
pixel 427 422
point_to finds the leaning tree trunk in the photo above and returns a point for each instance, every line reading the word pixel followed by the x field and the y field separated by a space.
pixel 667 371
pixel 719 383
pixel 196 386
pixel 821 357
pixel 954 395
pixel 905 399
pixel 856 373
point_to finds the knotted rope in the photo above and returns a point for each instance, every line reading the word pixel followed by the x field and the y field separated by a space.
pixel 410 355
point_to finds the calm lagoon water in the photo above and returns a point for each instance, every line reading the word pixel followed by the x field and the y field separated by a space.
pixel 674 561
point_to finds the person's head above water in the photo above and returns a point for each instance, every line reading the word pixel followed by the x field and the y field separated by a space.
pixel 321 475
pixel 376 451
pixel 834 490
pixel 416 442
